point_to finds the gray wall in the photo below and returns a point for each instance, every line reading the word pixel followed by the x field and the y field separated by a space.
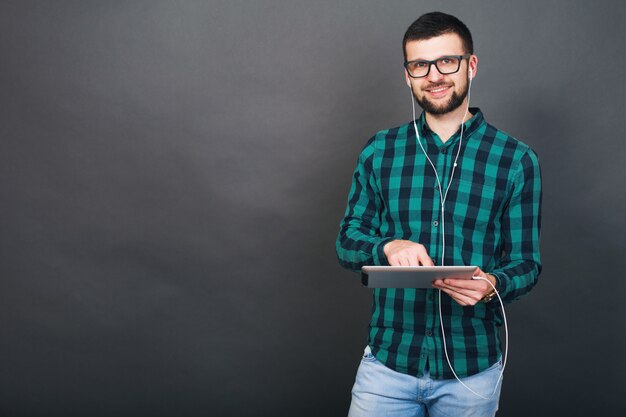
pixel 172 175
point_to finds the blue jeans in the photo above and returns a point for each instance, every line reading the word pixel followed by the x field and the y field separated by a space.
pixel 379 391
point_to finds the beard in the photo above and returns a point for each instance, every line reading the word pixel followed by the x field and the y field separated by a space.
pixel 452 104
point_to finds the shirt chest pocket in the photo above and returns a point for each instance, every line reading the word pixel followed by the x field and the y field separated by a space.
pixel 474 205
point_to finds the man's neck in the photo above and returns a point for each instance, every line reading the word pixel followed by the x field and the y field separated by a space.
pixel 446 125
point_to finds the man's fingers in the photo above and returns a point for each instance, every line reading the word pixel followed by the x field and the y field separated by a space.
pixel 468 284
pixel 465 292
pixel 407 253
pixel 401 261
pixel 462 298
pixel 459 298
pixel 422 256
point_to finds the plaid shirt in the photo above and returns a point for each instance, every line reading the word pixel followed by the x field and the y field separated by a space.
pixel 492 220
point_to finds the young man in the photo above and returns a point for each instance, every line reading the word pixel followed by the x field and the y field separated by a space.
pixel 446 189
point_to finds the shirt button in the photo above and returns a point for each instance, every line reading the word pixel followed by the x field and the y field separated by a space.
pixel 444 150
pixel 429 333
pixel 435 223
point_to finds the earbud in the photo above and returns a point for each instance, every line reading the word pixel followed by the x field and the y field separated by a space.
pixel 471 73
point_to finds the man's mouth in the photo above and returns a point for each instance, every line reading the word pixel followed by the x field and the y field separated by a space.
pixel 438 90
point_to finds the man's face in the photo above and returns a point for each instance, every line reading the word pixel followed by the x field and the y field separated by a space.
pixel 437 93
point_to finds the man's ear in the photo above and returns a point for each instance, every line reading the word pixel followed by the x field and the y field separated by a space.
pixel 472 66
pixel 407 79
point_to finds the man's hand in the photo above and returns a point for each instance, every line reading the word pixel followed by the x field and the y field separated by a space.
pixel 406 253
pixel 466 292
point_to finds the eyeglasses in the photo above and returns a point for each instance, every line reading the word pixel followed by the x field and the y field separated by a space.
pixel 448 64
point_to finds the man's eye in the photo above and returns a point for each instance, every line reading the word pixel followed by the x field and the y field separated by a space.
pixel 421 64
pixel 448 62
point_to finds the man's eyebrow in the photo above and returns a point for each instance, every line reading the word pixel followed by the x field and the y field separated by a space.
pixel 434 59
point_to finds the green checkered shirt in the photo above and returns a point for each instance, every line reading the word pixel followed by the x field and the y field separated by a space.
pixel 492 220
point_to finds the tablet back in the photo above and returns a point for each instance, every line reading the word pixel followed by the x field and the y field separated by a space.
pixel 411 276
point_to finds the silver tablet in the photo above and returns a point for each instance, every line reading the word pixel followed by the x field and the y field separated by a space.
pixel 411 276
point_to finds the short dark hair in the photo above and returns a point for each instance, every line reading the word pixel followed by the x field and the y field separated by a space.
pixel 435 24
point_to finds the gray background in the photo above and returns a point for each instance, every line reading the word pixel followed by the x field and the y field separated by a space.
pixel 172 175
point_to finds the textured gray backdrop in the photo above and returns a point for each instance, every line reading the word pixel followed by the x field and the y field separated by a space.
pixel 172 175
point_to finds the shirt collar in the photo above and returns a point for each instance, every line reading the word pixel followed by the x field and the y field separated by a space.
pixel 469 128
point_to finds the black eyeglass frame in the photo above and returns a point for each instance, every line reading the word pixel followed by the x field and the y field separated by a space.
pixel 434 62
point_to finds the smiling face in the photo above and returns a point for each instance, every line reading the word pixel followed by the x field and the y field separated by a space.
pixel 436 93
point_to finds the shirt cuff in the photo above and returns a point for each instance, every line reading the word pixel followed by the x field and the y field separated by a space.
pixel 501 283
pixel 379 253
